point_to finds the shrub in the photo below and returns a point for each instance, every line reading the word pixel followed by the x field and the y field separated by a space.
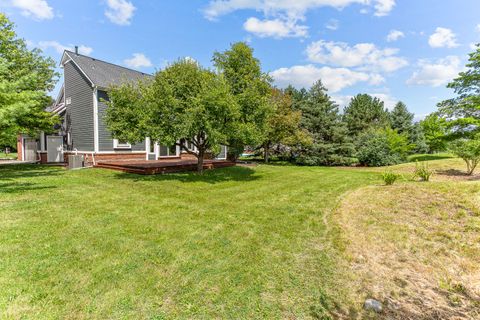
pixel 469 151
pixel 376 148
pixel 390 177
pixel 422 171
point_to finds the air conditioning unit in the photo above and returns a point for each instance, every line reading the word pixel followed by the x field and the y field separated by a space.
pixel 75 161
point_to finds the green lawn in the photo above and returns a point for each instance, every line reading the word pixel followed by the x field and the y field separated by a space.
pixel 8 156
pixel 234 243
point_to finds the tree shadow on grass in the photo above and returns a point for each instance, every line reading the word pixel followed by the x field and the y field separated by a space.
pixel 237 173
pixel 11 177
pixel 429 157
pixel 457 174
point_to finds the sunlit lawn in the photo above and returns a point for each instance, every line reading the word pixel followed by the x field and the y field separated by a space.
pixel 234 243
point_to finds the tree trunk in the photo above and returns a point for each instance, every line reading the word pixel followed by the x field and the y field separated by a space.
pixel 201 156
pixel 266 153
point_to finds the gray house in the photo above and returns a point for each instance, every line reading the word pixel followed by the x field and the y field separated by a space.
pixel 83 130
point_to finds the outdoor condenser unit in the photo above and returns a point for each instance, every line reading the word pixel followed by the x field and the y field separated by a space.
pixel 75 161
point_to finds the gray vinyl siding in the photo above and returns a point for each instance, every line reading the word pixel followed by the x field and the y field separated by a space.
pixel 105 140
pixel 80 111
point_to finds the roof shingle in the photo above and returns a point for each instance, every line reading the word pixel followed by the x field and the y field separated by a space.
pixel 104 74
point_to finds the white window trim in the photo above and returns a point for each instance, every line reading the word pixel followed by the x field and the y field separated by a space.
pixel 117 145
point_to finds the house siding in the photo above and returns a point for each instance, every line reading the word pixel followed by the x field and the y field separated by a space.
pixel 105 140
pixel 79 113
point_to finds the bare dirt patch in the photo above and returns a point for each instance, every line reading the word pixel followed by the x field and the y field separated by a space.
pixel 415 247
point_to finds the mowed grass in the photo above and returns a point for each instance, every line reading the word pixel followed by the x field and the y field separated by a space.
pixel 234 243
pixel 415 246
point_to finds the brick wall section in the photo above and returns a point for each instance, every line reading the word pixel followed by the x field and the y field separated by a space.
pixel 43 157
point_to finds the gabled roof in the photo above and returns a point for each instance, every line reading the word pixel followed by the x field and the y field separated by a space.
pixel 101 73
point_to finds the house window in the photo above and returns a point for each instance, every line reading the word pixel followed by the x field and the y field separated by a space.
pixel 119 144
pixel 68 101
pixel 168 151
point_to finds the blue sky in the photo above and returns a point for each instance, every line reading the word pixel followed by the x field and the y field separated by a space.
pixel 394 49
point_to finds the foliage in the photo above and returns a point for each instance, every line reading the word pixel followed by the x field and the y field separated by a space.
pixel 422 171
pixel 251 89
pixel 463 112
pixel 400 118
pixel 283 125
pixel 469 151
pixel 363 113
pixel 382 147
pixel 184 103
pixel 435 130
pixel 417 139
pixel 390 177
pixel 25 78
pixel 321 118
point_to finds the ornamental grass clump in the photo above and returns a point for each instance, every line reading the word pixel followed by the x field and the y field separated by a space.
pixel 390 177
pixel 423 172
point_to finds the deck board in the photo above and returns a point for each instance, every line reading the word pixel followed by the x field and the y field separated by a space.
pixel 148 167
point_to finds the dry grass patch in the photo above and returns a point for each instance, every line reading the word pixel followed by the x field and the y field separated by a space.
pixel 415 247
pixel 453 169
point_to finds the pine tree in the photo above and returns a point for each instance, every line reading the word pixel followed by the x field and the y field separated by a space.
pixel 321 118
pixel 365 112
pixel 401 119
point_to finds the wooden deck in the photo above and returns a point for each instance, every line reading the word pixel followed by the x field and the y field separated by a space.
pixel 161 166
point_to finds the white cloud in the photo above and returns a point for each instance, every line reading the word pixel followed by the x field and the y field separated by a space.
pixel 39 9
pixel 333 24
pixel 298 8
pixel 383 7
pixel 82 49
pixel 276 28
pixel 120 11
pixel 335 79
pixel 394 35
pixel 442 38
pixel 283 16
pixel 387 99
pixel 139 60
pixel 436 73
pixel 477 28
pixel 363 55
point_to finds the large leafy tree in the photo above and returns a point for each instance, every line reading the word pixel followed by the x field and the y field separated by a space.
pixel 184 104
pixel 26 77
pixel 365 112
pixel 283 124
pixel 251 89
pixel 321 118
pixel 463 112
pixel 435 130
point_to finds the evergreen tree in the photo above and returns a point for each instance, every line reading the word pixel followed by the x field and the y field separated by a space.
pixel 463 112
pixel 321 118
pixel 365 112
pixel 401 119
